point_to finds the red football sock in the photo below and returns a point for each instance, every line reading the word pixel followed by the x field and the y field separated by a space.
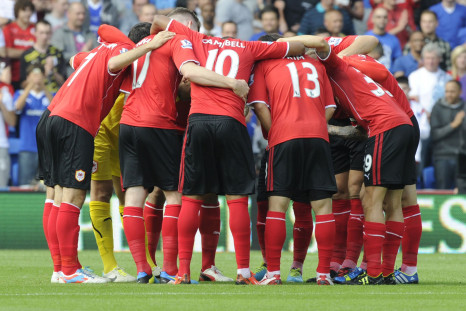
pixel 374 237
pixel 393 235
pixel 275 235
pixel 302 231
pixel 153 216
pixel 54 246
pixel 133 223
pixel 209 227
pixel 262 209
pixel 325 238
pixel 412 235
pixel 188 223
pixel 354 239
pixel 341 211
pixel 170 238
pixel 241 230
pixel 68 234
pixel 45 218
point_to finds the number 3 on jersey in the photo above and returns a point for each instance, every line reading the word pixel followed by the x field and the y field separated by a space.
pixel 313 77
pixel 220 60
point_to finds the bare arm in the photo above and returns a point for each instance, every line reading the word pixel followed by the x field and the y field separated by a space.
pixel 362 45
pixel 14 53
pixel 8 116
pixel 329 113
pixel 263 114
pixel 121 61
pixel 5 76
pixel 160 23
pixel 21 101
pixel 202 76
pixel 315 42
pixel 347 132
pixel 402 23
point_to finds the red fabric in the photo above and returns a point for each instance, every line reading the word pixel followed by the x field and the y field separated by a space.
pixel 187 227
pixel 18 38
pixel 338 44
pixel 380 74
pixel 152 102
pixel 275 235
pixel 325 237
pixel 354 239
pixel 90 81
pixel 153 217
pixel 45 219
pixel 68 234
pixel 374 237
pixel 237 58
pixel 241 230
pixel 412 235
pixel 341 211
pixel 393 235
pixel 262 209
pixel 292 88
pixel 170 238
pixel 52 238
pixel 359 95
pixel 209 227
pixel 302 230
pixel 133 223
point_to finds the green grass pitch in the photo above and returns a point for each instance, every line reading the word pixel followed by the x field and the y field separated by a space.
pixel 25 285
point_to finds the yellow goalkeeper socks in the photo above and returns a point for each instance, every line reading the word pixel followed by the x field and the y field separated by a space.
pixel 103 232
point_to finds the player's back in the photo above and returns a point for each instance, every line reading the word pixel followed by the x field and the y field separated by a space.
pixel 368 102
pixel 298 92
pixel 155 79
pixel 388 81
pixel 229 57
pixel 89 93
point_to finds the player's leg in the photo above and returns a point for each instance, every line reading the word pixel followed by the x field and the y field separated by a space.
pixel 394 233
pixel 153 217
pixel 209 228
pixel 275 235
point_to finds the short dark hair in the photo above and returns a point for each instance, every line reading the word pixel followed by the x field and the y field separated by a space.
pixel 267 9
pixel 402 79
pixel 34 67
pixel 186 13
pixel 458 83
pixel 43 22
pixel 139 32
pixel 270 37
pixel 431 13
pixel 378 49
pixel 22 5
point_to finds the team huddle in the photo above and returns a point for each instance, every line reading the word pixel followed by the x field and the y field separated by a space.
pixel 167 105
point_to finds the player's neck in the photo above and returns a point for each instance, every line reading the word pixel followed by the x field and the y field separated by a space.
pixel 41 47
pixel 379 31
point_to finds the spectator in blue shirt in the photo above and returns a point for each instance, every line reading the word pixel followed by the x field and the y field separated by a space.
pixel 390 43
pixel 269 19
pixel 314 19
pixel 451 18
pixel 30 103
pixel 406 64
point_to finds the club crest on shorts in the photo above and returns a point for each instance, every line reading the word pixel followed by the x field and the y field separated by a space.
pixel 80 175
pixel 95 165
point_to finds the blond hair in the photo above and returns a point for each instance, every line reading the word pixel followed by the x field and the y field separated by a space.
pixel 454 55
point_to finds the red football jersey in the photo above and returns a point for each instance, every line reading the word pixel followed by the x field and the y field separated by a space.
pixel 155 79
pixel 230 57
pixel 389 82
pixel 298 91
pixel 338 44
pixel 90 92
pixel 18 38
pixel 370 104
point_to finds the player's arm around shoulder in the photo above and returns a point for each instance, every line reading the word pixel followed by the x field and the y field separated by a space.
pixel 361 45
pixel 119 62
pixel 159 23
pixel 322 47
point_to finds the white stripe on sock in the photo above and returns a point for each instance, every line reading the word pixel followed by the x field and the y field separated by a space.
pixel 261 223
pixel 376 235
pixel 48 201
pixel 323 222
pixel 210 206
pixel 170 217
pixel 276 218
pixel 73 205
pixel 124 216
pixel 147 205
pixel 342 213
pixel 388 232
pixel 413 215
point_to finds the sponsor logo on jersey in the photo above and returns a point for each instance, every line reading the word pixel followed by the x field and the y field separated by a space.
pixel 334 41
pixel 80 175
pixel 186 44
pixel 95 166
